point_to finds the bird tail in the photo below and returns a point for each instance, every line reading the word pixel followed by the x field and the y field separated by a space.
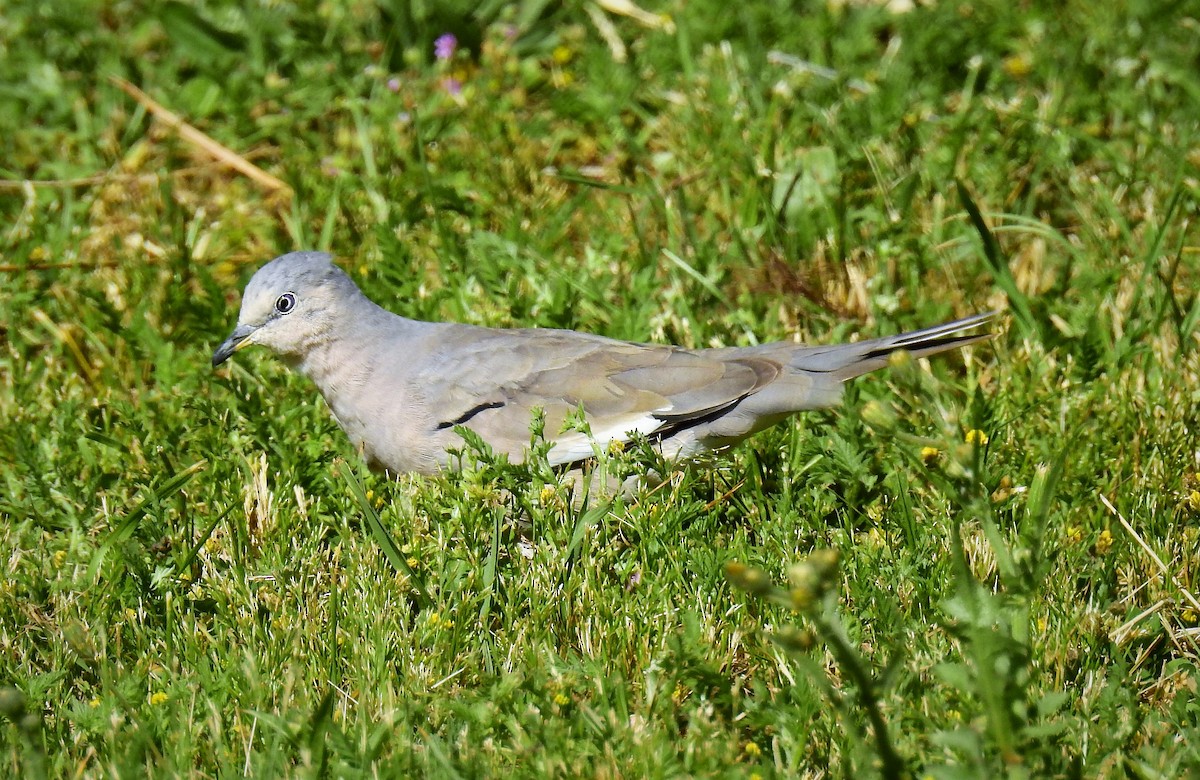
pixel 846 361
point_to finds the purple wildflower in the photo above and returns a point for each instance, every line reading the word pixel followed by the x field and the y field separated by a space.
pixel 393 84
pixel 452 86
pixel 444 46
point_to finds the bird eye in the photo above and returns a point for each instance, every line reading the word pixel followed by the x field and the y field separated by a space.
pixel 286 303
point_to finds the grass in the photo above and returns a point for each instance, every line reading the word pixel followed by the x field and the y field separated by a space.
pixel 199 577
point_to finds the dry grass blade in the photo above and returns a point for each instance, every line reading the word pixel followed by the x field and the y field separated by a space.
pixel 193 136
pixel 1162 567
pixel 644 17
pixel 83 181
pixel 12 268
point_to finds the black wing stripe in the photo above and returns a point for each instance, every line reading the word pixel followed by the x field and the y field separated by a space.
pixel 467 415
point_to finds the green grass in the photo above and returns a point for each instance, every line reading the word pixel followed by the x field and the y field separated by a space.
pixel 197 576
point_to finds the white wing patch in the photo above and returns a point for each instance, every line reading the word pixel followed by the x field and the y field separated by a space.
pixel 572 447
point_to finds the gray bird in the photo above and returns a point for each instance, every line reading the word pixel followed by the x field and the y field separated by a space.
pixel 399 387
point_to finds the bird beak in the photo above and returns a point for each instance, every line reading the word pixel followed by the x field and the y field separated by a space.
pixel 238 339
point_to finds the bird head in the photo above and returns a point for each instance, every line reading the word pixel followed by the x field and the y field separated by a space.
pixel 289 304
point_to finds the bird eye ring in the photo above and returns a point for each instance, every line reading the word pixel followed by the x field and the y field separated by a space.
pixel 286 303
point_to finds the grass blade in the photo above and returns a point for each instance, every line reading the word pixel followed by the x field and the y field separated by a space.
pixel 1000 270
pixel 489 568
pixel 383 538
pixel 131 521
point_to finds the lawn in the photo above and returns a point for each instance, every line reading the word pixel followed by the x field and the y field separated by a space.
pixel 980 565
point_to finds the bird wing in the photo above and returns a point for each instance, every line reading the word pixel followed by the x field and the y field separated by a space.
pixel 491 381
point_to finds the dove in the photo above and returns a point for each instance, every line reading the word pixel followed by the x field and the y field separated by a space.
pixel 399 388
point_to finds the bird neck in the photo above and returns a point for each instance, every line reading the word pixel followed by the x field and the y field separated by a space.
pixel 352 344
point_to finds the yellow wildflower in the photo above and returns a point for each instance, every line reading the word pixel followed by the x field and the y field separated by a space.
pixel 1017 65
pixel 976 436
